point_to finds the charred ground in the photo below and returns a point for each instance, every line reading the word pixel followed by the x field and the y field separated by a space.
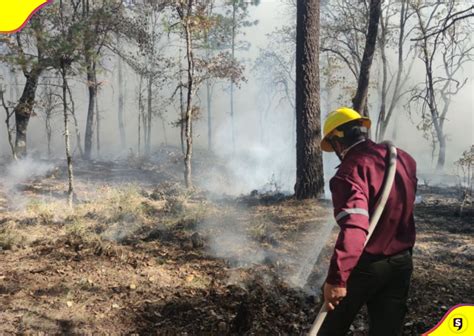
pixel 141 255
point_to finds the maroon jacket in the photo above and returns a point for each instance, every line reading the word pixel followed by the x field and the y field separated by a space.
pixel 355 189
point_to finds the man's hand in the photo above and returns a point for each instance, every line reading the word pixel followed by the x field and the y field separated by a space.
pixel 333 295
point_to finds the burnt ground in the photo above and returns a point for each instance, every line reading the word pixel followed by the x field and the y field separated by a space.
pixel 140 255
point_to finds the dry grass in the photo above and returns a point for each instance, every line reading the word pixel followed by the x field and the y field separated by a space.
pixel 9 236
pixel 112 214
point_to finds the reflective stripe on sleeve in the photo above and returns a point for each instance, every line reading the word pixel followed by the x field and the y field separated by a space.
pixel 347 212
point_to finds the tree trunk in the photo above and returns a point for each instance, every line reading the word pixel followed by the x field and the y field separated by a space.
pixel 121 84
pixel 398 83
pixel 209 116
pixel 66 138
pixel 309 161
pixel 140 113
pixel 163 126
pixel 440 129
pixel 442 153
pixel 139 134
pixel 431 100
pixel 92 88
pixel 189 107
pixel 182 116
pixel 24 109
pixel 76 123
pixel 14 91
pixel 208 97
pixel 8 116
pixel 381 122
pixel 48 133
pixel 360 99
pixel 232 121
pixel 97 130
pixel 149 115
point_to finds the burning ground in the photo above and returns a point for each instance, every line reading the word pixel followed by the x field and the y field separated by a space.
pixel 141 255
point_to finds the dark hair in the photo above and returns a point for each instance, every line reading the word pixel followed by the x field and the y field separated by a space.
pixel 353 131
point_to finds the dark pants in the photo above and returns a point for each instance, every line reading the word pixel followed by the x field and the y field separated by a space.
pixel 382 284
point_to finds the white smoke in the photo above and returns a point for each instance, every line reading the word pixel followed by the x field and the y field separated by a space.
pixel 230 239
pixel 19 172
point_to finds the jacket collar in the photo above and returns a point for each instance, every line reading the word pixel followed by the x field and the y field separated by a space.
pixel 354 148
pixel 345 151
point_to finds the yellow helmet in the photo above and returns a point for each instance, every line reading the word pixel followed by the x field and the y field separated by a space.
pixel 337 118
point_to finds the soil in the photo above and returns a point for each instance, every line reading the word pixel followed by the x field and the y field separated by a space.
pixel 197 264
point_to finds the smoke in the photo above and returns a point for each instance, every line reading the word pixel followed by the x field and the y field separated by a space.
pixel 265 168
pixel 122 230
pixel 24 169
pixel 244 241
pixel 228 240
pixel 17 173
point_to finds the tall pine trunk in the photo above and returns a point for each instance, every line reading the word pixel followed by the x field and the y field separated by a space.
pixel 309 160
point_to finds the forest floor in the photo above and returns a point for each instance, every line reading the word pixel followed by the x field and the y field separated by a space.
pixel 141 255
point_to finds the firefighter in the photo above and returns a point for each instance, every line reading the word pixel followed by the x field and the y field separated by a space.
pixel 378 274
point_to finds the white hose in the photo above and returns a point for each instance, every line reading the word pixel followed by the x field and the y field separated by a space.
pixel 379 207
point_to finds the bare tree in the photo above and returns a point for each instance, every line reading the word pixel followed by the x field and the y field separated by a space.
pixel 148 62
pixel 185 12
pixel 28 50
pixel 66 54
pixel 8 115
pixel 100 22
pixel 121 83
pixel 392 37
pixel 309 161
pixel 72 109
pixel 343 33
pixel 452 48
pixel 275 67
pixel 238 12
pixel 194 21
pixel 65 64
pixel 49 103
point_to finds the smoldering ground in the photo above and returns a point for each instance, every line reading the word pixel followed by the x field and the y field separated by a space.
pixel 264 233
pixel 16 176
